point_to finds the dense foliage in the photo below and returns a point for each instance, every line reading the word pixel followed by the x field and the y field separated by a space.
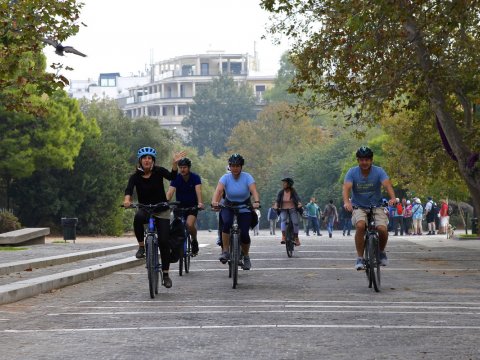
pixel 364 58
pixel 219 106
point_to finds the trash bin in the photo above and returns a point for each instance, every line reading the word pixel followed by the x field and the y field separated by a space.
pixel 474 225
pixel 69 228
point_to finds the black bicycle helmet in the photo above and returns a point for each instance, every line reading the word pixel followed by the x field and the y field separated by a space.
pixel 364 152
pixel 146 151
pixel 289 181
pixel 185 162
pixel 236 159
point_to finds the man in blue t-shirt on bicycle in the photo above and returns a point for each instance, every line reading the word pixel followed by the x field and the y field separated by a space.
pixel 188 188
pixel 365 182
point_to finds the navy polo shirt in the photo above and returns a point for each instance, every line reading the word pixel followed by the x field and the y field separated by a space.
pixel 185 190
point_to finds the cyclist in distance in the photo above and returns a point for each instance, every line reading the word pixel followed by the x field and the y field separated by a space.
pixel 188 189
pixel 238 187
pixel 148 182
pixel 365 182
pixel 288 199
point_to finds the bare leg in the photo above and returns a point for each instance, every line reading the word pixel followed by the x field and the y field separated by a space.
pixel 360 237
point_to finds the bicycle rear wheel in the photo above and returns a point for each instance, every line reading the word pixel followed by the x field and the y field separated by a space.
pixel 289 243
pixel 152 264
pixel 234 258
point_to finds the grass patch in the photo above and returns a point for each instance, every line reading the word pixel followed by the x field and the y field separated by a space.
pixel 12 248
pixel 469 236
pixel 59 242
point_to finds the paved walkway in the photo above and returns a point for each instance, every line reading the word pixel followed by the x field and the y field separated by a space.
pixel 55 245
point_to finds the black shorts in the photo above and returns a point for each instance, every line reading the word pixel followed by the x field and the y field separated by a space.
pixel 186 213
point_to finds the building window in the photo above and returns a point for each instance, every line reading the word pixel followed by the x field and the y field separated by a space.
pixel 108 82
pixel 204 69
pixel 182 110
pixel 259 88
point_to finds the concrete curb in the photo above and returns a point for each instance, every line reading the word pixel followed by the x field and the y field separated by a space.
pixel 27 288
pixel 18 266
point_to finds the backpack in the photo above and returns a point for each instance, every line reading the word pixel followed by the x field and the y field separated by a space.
pixel 399 209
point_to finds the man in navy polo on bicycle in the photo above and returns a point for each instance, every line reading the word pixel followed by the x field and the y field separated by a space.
pixel 188 189
pixel 365 182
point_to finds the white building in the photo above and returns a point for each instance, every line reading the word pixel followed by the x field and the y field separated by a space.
pixel 108 85
pixel 167 91
pixel 174 82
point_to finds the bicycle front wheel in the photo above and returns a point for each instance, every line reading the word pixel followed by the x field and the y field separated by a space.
pixel 152 264
pixel 188 254
pixel 371 262
pixel 376 257
pixel 289 243
pixel 181 260
pixel 234 258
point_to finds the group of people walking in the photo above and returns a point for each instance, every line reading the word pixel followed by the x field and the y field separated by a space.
pixel 407 216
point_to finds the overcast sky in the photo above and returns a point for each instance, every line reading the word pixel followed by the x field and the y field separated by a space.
pixel 121 37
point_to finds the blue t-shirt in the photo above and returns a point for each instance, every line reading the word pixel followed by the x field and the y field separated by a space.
pixel 185 190
pixel 237 190
pixel 366 191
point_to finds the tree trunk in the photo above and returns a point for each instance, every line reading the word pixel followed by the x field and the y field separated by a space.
pixel 471 175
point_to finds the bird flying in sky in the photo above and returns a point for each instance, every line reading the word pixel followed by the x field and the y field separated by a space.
pixel 60 49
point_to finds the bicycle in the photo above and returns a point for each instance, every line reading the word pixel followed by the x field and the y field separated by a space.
pixel 289 240
pixel 186 249
pixel 235 256
pixel 372 251
pixel 151 244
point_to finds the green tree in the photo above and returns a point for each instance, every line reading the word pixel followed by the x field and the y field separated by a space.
pixel 29 142
pixel 363 56
pixel 283 81
pixel 218 108
pixel 280 129
pixel 23 26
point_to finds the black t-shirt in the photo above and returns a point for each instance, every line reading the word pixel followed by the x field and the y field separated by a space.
pixel 151 190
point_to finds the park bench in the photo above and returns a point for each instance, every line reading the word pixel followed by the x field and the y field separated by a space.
pixel 27 236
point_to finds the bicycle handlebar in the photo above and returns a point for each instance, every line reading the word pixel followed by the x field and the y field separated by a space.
pixel 171 204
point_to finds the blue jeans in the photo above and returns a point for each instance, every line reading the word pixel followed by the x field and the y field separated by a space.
pixel 330 222
pixel 347 225
pixel 313 224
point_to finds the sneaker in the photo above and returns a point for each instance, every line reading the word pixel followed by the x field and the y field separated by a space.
pixel 167 282
pixel 219 242
pixel 383 258
pixel 297 241
pixel 329 235
pixel 247 265
pixel 359 264
pixel 140 252
pixel 194 247
pixel 224 257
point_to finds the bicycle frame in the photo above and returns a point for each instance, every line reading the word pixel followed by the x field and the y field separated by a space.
pixel 184 260
pixel 235 257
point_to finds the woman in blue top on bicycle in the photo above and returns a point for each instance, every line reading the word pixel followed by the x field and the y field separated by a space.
pixel 238 187
pixel 148 182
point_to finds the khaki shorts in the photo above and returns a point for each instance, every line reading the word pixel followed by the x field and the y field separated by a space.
pixel 381 218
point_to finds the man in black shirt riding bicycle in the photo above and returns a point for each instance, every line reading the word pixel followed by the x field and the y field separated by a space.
pixel 187 186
